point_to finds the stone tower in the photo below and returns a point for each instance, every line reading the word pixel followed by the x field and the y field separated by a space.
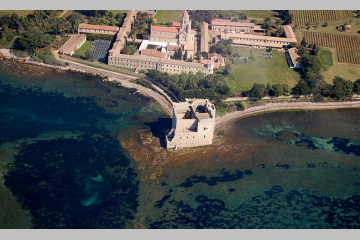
pixel 185 23
pixel 193 124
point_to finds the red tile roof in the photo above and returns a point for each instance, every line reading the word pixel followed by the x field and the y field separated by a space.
pixel 164 29
pixel 176 24
pixel 221 20
pixel 98 27
pixel 153 53
pixel 229 23
pixel 172 47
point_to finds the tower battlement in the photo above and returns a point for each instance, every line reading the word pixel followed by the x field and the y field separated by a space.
pixel 193 124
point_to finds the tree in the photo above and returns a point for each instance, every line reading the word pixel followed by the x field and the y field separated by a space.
pixel 303 42
pixel 185 55
pixel 278 90
pixel 8 34
pixel 258 91
pixel 227 69
pixel 342 88
pixel 89 55
pixel 300 88
pixel 253 21
pixel 21 29
pixel 178 54
pixel 356 86
pixel 33 39
pixel 325 24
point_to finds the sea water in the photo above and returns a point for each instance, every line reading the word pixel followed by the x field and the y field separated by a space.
pixel 62 161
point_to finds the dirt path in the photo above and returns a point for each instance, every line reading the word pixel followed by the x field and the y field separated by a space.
pixel 283 106
pixel 65 13
pixel 163 101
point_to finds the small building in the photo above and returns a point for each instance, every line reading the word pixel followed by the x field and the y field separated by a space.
pixel 97 29
pixel 217 58
pixel 193 124
pixel 73 44
pixel 293 58
pixel 347 28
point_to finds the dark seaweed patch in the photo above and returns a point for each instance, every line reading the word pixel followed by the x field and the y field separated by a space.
pixel 212 181
pixel 341 144
pixel 277 208
pixel 311 165
pixel 161 202
pixel 284 166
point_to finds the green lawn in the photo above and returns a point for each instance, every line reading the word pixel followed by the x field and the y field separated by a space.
pixel 326 58
pixel 262 70
pixel 168 15
pixel 346 71
pixel 84 48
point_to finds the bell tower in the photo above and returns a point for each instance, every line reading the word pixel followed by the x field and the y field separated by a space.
pixel 185 21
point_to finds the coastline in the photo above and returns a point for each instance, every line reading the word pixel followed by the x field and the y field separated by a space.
pixel 165 101
pixel 123 80
pixel 269 107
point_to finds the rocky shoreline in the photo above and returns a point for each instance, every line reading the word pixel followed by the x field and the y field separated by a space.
pixel 108 76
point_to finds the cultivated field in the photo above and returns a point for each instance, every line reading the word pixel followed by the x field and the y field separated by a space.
pixel 261 70
pixel 18 12
pixel 304 17
pixel 347 47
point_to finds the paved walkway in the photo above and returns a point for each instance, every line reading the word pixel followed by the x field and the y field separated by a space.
pixel 283 106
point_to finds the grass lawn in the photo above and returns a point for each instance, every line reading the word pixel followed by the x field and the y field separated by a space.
pixel 18 12
pixel 168 15
pixel 84 48
pixel 346 71
pixel 262 70
pixel 325 56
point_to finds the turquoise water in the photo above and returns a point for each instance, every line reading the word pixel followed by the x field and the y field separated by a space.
pixel 290 169
pixel 69 169
pixel 60 135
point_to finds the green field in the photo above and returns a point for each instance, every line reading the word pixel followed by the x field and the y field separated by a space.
pixel 346 71
pixel 18 12
pixel 262 70
pixel 259 14
pixel 168 15
pixel 84 48
pixel 326 58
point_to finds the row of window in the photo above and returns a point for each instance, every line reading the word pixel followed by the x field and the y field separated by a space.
pixel 258 40
pixel 94 30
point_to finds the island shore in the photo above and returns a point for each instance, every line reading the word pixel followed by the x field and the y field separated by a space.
pixel 283 106
pixel 165 101
pixel 159 95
